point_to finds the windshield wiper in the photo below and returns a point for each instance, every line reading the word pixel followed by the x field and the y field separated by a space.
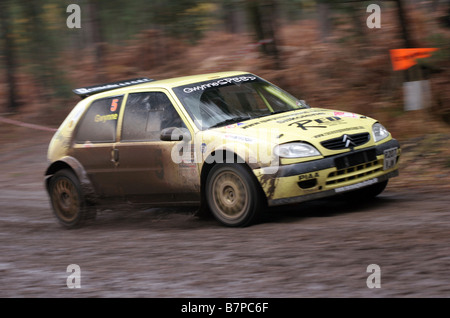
pixel 230 121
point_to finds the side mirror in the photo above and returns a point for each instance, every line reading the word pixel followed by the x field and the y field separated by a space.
pixel 175 134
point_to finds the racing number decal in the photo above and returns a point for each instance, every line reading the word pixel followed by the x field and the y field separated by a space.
pixel 114 104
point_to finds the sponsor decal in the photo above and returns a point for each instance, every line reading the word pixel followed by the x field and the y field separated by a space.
pixel 96 89
pixel 240 138
pixel 338 131
pixel 308 176
pixel 234 125
pixel 271 118
pixel 220 82
pixel 105 118
pixel 294 117
pixel 345 114
pixel 325 122
pixel 187 165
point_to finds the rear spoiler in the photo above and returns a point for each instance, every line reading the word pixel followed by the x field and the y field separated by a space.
pixel 84 92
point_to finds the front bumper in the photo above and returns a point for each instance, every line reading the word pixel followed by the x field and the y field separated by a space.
pixel 329 176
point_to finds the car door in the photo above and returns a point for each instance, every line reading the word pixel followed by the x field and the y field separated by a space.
pixel 145 169
pixel 94 142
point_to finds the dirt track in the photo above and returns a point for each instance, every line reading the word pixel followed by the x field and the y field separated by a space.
pixel 319 249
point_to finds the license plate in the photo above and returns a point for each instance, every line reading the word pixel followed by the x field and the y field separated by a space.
pixel 390 157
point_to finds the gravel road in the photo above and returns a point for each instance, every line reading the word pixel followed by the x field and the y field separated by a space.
pixel 318 249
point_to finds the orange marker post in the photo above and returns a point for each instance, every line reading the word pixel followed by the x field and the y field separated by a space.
pixel 402 59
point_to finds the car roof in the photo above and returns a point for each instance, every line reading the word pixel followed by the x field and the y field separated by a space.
pixel 180 81
pixel 165 83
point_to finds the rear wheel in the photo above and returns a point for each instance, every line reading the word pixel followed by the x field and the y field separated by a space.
pixel 67 199
pixel 233 195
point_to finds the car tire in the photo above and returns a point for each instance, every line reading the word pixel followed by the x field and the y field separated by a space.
pixel 367 193
pixel 67 199
pixel 233 195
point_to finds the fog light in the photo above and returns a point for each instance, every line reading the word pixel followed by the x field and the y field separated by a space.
pixel 307 184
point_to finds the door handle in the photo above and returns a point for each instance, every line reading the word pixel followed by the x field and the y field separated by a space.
pixel 115 156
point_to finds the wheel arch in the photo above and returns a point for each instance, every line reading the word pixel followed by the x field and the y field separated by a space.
pixel 77 168
pixel 223 154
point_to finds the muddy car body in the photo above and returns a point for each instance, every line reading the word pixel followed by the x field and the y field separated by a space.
pixel 230 143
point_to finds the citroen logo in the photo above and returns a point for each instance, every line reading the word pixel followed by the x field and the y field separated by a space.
pixel 348 141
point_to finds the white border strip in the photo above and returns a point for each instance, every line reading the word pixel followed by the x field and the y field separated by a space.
pixel 22 124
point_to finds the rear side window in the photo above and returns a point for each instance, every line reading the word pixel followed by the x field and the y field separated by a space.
pixel 146 114
pixel 99 124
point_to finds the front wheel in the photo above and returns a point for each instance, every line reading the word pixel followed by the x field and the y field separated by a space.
pixel 233 195
pixel 67 199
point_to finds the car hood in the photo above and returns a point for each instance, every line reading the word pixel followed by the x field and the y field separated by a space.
pixel 312 125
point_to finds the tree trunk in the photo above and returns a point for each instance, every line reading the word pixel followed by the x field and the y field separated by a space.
pixel 8 49
pixel 404 24
pixel 262 16
pixel 39 48
pixel 446 18
pixel 323 11
pixel 232 20
pixel 97 41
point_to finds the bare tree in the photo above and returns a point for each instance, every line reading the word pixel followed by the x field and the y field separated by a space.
pixel 323 11
pixel 404 23
pixel 262 15
pixel 8 49
pixel 96 38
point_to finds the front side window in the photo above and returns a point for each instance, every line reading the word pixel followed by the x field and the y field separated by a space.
pixel 146 114
pixel 99 124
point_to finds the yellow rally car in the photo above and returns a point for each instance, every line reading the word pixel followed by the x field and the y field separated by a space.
pixel 230 143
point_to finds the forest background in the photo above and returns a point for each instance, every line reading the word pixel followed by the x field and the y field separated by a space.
pixel 322 51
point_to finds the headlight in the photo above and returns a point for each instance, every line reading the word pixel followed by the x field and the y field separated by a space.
pixel 296 150
pixel 379 132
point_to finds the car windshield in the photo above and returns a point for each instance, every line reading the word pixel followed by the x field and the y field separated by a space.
pixel 231 100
